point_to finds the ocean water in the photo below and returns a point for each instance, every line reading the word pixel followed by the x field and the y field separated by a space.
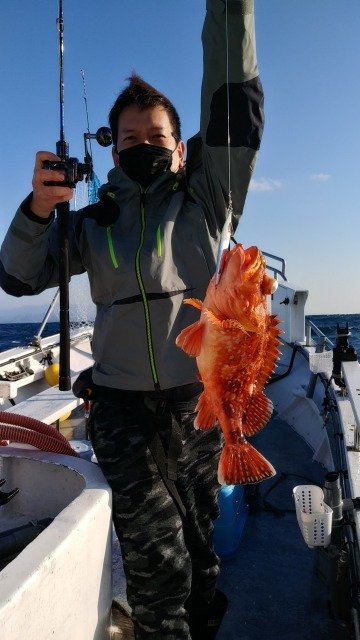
pixel 328 325
pixel 12 335
pixel 20 334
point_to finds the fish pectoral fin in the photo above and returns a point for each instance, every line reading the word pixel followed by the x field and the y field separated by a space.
pixel 193 302
pixel 257 414
pixel 190 338
pixel 242 464
pixel 206 418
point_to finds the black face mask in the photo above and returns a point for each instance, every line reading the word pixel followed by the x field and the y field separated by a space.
pixel 145 162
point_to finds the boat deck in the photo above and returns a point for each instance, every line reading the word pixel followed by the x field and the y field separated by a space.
pixel 273 585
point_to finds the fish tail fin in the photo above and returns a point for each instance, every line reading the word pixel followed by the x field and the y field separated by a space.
pixel 241 463
pixel 206 418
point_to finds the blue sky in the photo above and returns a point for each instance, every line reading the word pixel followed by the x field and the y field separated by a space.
pixel 304 199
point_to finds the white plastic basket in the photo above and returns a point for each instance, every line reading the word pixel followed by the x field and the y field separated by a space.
pixel 313 515
pixel 321 362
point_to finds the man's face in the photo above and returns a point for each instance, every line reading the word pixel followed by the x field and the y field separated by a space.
pixel 151 126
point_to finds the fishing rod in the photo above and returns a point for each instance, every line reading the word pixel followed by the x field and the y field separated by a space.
pixel 74 171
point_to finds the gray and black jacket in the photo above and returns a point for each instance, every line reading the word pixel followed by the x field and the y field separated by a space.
pixel 145 252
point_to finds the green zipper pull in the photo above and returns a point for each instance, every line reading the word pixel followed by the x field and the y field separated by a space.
pixel 158 242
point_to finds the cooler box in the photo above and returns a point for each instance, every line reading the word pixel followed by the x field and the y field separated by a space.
pixel 228 528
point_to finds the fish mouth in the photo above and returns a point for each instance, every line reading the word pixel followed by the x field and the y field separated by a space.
pixel 253 260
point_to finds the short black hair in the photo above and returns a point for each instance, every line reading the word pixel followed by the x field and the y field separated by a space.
pixel 144 96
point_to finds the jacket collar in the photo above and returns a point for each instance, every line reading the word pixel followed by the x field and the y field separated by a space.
pixel 125 188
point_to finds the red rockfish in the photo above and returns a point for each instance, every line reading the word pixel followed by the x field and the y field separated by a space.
pixel 235 343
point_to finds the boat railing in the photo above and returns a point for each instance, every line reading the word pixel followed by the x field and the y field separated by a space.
pixel 346 385
pixel 37 338
pixel 79 329
pixel 276 270
pixel 310 329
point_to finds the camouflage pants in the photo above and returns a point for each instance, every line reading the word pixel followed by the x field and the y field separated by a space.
pixel 166 555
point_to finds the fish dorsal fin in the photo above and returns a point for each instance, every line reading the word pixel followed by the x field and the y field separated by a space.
pixel 190 338
pixel 271 351
pixel 194 302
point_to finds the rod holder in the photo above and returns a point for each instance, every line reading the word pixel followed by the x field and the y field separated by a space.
pixel 333 495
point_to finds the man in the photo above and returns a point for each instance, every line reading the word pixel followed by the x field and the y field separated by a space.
pixel 149 243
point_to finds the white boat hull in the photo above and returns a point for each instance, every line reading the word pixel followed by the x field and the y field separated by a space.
pixel 60 585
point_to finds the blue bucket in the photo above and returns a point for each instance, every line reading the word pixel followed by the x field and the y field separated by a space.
pixel 229 526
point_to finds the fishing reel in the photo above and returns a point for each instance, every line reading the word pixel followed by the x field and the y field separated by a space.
pixel 103 137
pixel 75 171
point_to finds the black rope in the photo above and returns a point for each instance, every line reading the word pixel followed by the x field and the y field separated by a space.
pixel 279 511
pixel 280 376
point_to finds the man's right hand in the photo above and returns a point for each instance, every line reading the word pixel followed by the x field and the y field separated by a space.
pixel 45 198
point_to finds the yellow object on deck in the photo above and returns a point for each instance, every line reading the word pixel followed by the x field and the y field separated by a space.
pixel 52 373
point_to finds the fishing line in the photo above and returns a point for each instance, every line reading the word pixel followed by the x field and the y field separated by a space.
pixel 226 233
pixel 104 138
pixel 86 110
pixel 230 208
